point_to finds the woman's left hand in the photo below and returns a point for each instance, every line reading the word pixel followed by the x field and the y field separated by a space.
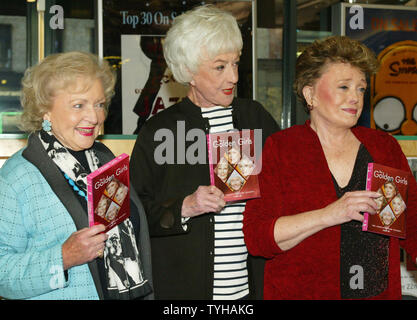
pixel 204 199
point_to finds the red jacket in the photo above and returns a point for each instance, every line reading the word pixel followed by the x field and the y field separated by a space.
pixel 295 178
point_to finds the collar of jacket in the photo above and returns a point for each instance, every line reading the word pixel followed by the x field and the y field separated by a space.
pixel 189 108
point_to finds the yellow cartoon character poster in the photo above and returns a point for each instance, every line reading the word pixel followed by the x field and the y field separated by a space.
pixel 394 90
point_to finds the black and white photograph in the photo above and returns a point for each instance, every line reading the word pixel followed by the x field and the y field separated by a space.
pixel 124 268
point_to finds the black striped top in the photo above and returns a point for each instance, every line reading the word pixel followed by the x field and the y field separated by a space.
pixel 230 253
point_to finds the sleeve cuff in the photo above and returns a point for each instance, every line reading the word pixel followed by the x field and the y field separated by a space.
pixel 59 277
pixel 273 246
pixel 184 224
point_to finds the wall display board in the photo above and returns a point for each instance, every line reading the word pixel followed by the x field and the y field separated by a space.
pixel 9 122
pixel 391 32
pixel 130 37
pixel 408 268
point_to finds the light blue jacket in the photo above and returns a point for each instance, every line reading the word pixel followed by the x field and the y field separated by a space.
pixel 38 212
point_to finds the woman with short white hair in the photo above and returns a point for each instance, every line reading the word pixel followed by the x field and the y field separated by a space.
pixel 199 35
pixel 197 241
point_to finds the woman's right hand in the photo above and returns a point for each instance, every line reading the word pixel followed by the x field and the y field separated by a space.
pixel 83 246
pixel 204 199
pixel 350 207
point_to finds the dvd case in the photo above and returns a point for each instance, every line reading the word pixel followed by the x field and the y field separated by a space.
pixel 234 164
pixel 392 185
pixel 108 193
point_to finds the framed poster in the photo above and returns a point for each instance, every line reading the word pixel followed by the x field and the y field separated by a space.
pixel 390 31
pixel 130 38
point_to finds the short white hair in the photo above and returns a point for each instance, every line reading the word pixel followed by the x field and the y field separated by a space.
pixel 201 33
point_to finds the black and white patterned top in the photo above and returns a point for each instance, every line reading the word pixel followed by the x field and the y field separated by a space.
pixel 230 252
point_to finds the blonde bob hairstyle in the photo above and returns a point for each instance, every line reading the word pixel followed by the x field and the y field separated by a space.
pixel 197 35
pixel 314 59
pixel 57 72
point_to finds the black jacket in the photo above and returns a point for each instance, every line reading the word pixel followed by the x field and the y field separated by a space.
pixel 183 260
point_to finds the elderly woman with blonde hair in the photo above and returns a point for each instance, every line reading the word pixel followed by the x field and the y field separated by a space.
pixel 197 242
pixel 47 249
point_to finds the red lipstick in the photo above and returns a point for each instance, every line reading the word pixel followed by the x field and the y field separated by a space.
pixel 87 132
pixel 350 110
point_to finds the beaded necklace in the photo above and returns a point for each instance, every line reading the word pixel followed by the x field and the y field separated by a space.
pixel 80 192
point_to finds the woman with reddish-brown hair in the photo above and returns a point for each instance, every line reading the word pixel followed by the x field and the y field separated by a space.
pixel 308 222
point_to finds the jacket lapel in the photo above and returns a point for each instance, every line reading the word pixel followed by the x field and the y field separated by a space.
pixel 36 154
